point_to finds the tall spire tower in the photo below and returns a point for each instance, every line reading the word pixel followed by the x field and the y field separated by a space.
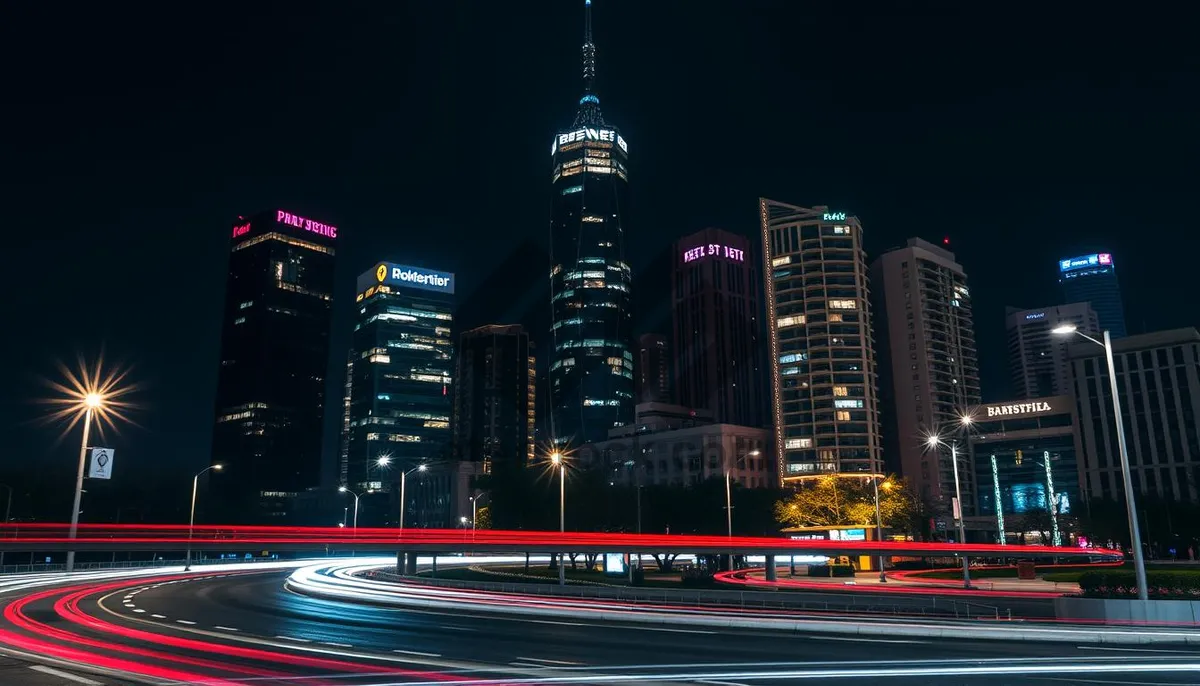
pixel 591 363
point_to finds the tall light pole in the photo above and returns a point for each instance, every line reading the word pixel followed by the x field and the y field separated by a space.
pixel 1139 564
pixel 556 459
pixel 474 508
pixel 934 441
pixel 343 489
pixel 403 479
pixel 879 523
pixel 187 565
pixel 91 402
pixel 7 512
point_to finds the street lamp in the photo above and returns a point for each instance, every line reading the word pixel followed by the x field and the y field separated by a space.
pixel 187 565
pixel 474 508
pixel 1139 564
pixel 556 459
pixel 933 442
pixel 403 478
pixel 343 489
pixel 887 485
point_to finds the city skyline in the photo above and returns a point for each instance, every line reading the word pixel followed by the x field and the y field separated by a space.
pixel 122 297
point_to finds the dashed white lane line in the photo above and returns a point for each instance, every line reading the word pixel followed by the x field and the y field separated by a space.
pixel 65 675
pixel 550 662
pixel 720 683
pixel 159 616
pixel 528 665
pixel 138 610
pixel 336 645
pixel 417 652
pixel 185 621
pixel 293 638
pixel 1130 650
pixel 674 631
pixel 463 628
pixel 225 628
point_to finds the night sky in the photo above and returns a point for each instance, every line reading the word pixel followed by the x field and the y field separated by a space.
pixel 135 135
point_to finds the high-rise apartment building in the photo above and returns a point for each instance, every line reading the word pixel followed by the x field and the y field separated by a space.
pixel 930 371
pixel 1038 358
pixel 591 360
pixel 823 379
pixel 495 399
pixel 652 372
pixel 401 390
pixel 1158 381
pixel 1093 279
pixel 715 317
pixel 270 404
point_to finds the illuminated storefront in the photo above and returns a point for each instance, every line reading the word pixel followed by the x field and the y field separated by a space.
pixel 1026 459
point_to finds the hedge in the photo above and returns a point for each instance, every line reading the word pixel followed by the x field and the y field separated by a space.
pixel 831 570
pixel 1162 585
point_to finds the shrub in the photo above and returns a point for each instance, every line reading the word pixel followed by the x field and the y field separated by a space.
pixel 1164 585
pixel 831 570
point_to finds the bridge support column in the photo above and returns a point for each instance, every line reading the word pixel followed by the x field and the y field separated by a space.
pixel 410 564
pixel 434 572
pixel 771 568
pixel 792 565
pixel 400 563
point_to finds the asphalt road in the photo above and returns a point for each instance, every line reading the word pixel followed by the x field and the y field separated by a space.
pixel 342 643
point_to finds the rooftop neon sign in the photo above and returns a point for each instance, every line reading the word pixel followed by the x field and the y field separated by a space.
pixel 299 222
pixel 1085 261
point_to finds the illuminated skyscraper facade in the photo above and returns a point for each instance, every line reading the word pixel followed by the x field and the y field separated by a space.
pixel 270 405
pixel 591 356
pixel 401 389
pixel 1092 279
pixel 823 382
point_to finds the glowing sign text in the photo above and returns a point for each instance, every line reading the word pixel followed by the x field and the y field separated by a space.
pixel 589 134
pixel 714 249
pixel 306 224
pixel 1036 315
pixel 241 230
pixel 387 273
pixel 833 217
pixel 1018 408
pixel 1084 261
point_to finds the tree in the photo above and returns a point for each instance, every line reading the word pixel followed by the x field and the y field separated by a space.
pixel 844 501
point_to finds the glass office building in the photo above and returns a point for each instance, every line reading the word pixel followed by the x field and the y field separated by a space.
pixel 1093 279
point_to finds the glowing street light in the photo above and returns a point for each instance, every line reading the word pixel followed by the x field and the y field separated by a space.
pixel 933 441
pixel 85 395
pixel 559 462
pixel 403 479
pixel 343 489
pixel 1135 536
pixel 887 486
pixel 187 565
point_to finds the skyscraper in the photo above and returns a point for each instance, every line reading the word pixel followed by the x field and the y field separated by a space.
pixel 494 405
pixel 270 404
pixel 653 369
pixel 591 361
pixel 1093 279
pixel 401 391
pixel 929 374
pixel 823 380
pixel 1037 358
pixel 718 353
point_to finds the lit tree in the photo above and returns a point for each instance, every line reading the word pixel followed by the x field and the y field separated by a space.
pixel 845 501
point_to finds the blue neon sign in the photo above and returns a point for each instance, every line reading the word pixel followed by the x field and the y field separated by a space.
pixel 1102 259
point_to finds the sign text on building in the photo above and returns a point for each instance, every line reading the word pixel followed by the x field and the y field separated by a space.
pixel 409 277
pixel 714 249
pixel 307 224
pixel 1035 315
pixel 1102 259
pixel 241 229
pixel 1031 407
pixel 833 217
pixel 591 134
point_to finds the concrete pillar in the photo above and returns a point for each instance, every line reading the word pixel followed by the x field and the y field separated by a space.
pixel 792 565
pixel 771 568
pixel 433 573
pixel 410 564
pixel 400 569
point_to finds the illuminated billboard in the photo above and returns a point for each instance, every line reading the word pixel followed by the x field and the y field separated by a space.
pixel 284 217
pixel 1070 264
pixel 404 276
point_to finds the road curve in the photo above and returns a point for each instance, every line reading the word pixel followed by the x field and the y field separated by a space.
pixel 241 626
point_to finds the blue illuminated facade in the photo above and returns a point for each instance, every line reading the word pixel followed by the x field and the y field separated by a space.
pixel 1093 279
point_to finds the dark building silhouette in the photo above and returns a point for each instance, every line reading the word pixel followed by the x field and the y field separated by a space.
pixel 270 400
pixel 591 351
pixel 495 398
pixel 1093 279
pixel 718 347
pixel 652 373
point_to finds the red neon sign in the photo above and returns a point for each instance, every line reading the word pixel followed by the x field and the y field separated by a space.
pixel 241 230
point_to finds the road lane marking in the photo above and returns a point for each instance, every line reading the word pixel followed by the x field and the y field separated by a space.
pixel 457 628
pixel 138 610
pixel 184 621
pixel 159 616
pixel 336 645
pixel 851 639
pixel 674 631
pixel 1134 650
pixel 528 665
pixel 417 652
pixel 720 683
pixel 551 662
pixel 65 675
pixel 225 628
pixel 293 638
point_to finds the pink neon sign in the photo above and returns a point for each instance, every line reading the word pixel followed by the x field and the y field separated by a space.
pixel 306 224
pixel 714 249
pixel 241 230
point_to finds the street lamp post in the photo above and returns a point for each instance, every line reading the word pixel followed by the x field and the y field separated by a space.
pixel 91 402
pixel 1139 563
pixel 187 565
pixel 403 480
pixel 879 524
pixel 556 459
pixel 934 441
pixel 343 489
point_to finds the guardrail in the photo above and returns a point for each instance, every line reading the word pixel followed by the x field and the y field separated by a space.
pixel 857 603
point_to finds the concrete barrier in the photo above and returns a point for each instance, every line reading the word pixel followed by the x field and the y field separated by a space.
pixel 1128 611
